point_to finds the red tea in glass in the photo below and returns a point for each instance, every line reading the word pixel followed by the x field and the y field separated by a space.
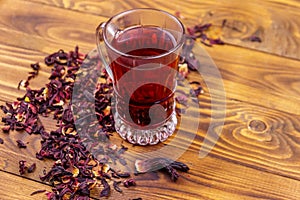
pixel 142 47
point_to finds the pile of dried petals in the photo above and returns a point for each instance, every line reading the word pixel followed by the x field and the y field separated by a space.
pixel 200 31
pixel 76 170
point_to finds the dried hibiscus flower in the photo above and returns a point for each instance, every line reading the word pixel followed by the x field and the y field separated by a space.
pixel 31 168
pixel 22 167
pixel 37 192
pixel 21 144
pixel 161 164
pixel 201 32
pixel 129 182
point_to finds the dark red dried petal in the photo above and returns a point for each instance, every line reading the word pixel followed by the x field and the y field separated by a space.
pixel 254 38
pixel 216 41
pixel 35 66
pixel 123 175
pixel 199 31
pixel 31 168
pixel 116 186
pixel 129 183
pixel 37 192
pixel 22 167
pixel 106 191
pixel 21 144
pixel 224 23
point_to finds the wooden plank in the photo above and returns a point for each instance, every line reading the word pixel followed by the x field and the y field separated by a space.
pixel 258 137
pixel 16 188
pixel 15 63
pixel 256 152
pixel 252 136
pixel 248 162
pixel 11 154
pixel 100 7
pixel 248 75
pixel 209 178
pixel 266 113
pixel 258 78
pixel 32 29
pixel 272 22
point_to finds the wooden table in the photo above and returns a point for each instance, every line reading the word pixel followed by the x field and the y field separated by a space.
pixel 257 154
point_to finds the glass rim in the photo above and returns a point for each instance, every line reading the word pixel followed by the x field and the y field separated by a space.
pixel 178 45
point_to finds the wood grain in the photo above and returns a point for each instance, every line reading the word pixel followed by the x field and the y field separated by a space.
pixel 16 188
pixel 264 114
pixel 252 136
pixel 257 152
pixel 11 154
pixel 266 76
pixel 248 75
pixel 30 28
pixel 256 156
pixel 272 22
pixel 260 137
pixel 16 62
pixel 258 78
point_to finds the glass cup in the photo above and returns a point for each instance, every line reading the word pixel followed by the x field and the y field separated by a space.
pixel 140 50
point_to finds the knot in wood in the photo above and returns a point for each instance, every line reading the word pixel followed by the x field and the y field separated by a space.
pixel 257 125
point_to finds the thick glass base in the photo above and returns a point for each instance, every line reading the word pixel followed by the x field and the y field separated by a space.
pixel 145 137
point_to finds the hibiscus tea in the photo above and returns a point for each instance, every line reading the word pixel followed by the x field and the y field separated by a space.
pixel 148 84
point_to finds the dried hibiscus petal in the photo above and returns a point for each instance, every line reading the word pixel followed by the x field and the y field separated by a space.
pixel 123 175
pixel 31 168
pixel 37 192
pixel 22 167
pixel 116 186
pixel 163 164
pixel 196 89
pixel 129 182
pixel 200 31
pixel 106 191
pixel 35 66
pixel 255 38
pixel 21 144
pixel 216 41
pixel 171 172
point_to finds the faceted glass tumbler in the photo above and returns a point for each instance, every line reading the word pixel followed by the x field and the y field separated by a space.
pixel 140 50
